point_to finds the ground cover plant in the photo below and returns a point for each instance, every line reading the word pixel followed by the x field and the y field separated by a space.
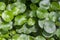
pixel 29 20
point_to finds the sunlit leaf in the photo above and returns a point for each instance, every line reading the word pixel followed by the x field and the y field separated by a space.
pixel 20 20
pixel 7 16
pixel 2 6
pixel 44 4
pixel 49 27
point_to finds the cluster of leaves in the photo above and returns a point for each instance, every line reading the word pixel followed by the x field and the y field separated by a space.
pixel 29 20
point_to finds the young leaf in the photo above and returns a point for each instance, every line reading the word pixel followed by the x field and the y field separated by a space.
pixel 20 20
pixel 31 21
pixel 32 14
pixel 7 16
pixel 33 6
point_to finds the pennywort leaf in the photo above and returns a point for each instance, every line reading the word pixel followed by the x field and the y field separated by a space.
pixel 49 27
pixel 20 20
pixel 42 13
pixel 7 16
pixel 31 21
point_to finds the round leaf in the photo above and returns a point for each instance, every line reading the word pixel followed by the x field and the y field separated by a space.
pixel 15 11
pixel 7 16
pixel 44 4
pixel 49 27
pixel 20 19
pixel 40 38
pixel 42 13
pixel 32 14
pixel 33 6
pixel 31 21
pixel 54 6
pixel 21 6
pixel 53 16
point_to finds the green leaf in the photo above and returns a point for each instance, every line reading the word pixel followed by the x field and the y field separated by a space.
pixel 54 6
pixel 6 26
pixel 58 33
pixel 42 13
pixel 32 14
pixel 41 23
pixel 24 29
pixel 9 7
pixel 47 35
pixel 20 6
pixel 15 37
pixel 13 32
pixel 44 4
pixel 33 6
pixel 2 6
pixel 15 11
pixel 33 29
pixel 31 21
pixel 49 27
pixel 40 38
pixel 20 20
pixel 53 16
pixel 23 37
pixel 7 16
pixel 5 35
pixel 30 38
